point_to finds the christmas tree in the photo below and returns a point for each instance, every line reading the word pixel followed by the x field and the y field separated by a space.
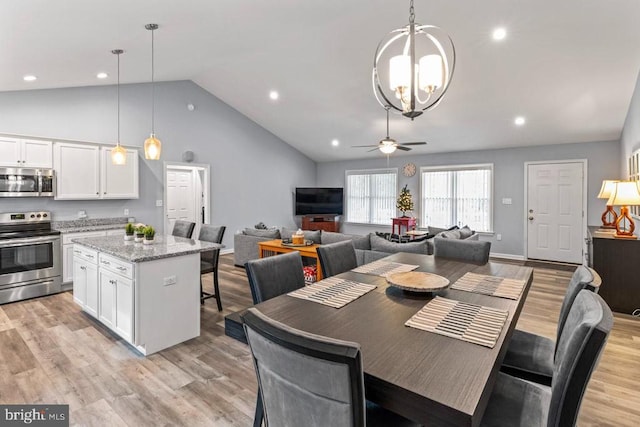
pixel 405 202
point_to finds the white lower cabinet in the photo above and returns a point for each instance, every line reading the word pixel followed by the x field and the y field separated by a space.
pixel 85 285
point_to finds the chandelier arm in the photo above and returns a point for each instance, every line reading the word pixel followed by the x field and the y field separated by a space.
pixel 377 89
pixel 377 92
pixel 446 88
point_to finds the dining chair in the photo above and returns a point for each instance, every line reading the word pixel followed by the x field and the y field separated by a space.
pixel 530 356
pixel 275 275
pixel 310 380
pixel 209 260
pixel 183 229
pixel 337 258
pixel 517 402
pixel 464 250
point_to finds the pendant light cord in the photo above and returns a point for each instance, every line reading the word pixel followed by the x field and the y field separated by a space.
pixel 412 13
pixel 153 86
pixel 118 55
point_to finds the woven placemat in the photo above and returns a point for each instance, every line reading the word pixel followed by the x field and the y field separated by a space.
pixel 333 292
pixel 460 320
pixel 383 268
pixel 490 285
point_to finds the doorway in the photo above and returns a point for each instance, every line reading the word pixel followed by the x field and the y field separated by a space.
pixel 186 194
pixel 555 210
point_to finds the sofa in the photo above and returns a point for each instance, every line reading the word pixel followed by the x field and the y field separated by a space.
pixel 369 248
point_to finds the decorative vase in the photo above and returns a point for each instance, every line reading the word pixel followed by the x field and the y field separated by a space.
pixel 148 241
pixel 139 238
pixel 128 237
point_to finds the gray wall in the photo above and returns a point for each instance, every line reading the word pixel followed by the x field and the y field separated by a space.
pixel 630 139
pixel 603 162
pixel 253 173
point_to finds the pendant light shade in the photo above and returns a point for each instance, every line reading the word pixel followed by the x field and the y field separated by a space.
pixel 152 145
pixel 118 153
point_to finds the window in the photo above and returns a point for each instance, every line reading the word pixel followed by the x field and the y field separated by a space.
pixel 457 195
pixel 371 196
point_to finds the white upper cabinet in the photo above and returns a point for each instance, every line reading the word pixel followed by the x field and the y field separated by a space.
pixel 77 169
pixel 26 153
pixel 119 181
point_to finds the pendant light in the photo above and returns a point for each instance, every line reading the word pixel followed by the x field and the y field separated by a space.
pixel 152 146
pixel 118 154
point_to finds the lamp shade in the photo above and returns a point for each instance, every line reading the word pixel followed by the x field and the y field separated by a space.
pixel 607 187
pixel 387 146
pixel 431 75
pixel 152 148
pixel 625 193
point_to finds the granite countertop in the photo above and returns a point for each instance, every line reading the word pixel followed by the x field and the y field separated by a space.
pixel 94 224
pixel 163 247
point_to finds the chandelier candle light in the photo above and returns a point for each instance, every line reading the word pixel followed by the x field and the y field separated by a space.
pixel 609 216
pixel 624 194
pixel 152 145
pixel 118 153
pixel 418 81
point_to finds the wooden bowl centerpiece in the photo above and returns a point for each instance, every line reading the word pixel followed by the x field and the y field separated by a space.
pixel 417 281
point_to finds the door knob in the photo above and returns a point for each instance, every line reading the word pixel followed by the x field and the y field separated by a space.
pixel 531 218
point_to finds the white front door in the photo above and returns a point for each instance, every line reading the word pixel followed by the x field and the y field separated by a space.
pixel 555 211
pixel 181 201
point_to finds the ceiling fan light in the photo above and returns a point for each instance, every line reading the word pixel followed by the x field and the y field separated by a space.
pixel 119 155
pixel 431 75
pixel 387 149
pixel 152 148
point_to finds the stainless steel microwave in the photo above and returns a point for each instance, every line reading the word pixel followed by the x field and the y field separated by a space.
pixel 22 182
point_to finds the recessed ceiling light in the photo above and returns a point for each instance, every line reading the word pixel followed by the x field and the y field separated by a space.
pixel 519 121
pixel 29 78
pixel 499 33
pixel 335 142
pixel 102 75
pixel 274 95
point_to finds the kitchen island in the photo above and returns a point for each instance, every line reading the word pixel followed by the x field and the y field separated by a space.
pixel 147 294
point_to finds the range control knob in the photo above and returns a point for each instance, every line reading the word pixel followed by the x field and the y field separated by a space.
pixel 33 216
pixel 44 215
pixel 38 216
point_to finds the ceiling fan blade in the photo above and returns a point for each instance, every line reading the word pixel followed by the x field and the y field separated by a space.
pixel 361 146
pixel 413 143
pixel 400 147
pixel 368 151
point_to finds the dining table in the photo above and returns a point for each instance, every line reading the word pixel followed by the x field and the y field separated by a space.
pixel 432 379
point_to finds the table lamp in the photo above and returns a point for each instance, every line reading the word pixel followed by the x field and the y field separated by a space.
pixel 609 216
pixel 624 194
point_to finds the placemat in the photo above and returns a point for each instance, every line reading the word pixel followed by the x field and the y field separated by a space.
pixel 333 292
pixel 467 322
pixel 382 268
pixel 490 285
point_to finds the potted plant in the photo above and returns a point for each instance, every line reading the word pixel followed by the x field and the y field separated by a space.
pixel 129 230
pixel 149 235
pixel 140 232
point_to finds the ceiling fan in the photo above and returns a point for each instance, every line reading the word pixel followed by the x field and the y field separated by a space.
pixel 388 145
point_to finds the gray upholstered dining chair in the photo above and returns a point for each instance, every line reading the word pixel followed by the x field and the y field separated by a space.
pixel 464 250
pixel 209 260
pixel 517 402
pixel 531 356
pixel 337 258
pixel 275 275
pixel 183 229
pixel 310 380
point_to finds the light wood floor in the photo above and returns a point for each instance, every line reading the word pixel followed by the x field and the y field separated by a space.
pixel 51 352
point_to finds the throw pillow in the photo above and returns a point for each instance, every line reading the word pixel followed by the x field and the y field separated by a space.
pixel 314 236
pixel 272 234
pixel 260 226
pixel 359 242
pixel 465 232
pixel 452 234
pixel 383 245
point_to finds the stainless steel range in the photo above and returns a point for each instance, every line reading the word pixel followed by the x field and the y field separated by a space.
pixel 30 256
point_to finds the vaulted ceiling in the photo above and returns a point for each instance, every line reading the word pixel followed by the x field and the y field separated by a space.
pixel 568 67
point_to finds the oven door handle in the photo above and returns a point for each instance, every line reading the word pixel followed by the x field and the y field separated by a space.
pixel 29 241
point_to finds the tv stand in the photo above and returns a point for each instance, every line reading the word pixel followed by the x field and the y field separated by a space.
pixel 321 222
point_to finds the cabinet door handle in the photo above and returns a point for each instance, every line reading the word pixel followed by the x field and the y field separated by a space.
pixel 83 268
pixel 89 256
pixel 113 282
pixel 105 262
pixel 77 252
pixel 97 193
pixel 121 268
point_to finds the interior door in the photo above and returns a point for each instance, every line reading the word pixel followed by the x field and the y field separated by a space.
pixel 555 211
pixel 181 201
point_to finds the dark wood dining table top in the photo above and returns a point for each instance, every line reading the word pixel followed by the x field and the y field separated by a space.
pixel 429 378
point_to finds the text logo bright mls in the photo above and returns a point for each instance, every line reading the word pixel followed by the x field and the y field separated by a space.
pixel 35 415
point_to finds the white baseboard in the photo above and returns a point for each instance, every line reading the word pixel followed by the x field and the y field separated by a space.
pixel 226 251
pixel 507 256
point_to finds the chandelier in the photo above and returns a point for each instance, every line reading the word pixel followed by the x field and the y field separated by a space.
pixel 419 71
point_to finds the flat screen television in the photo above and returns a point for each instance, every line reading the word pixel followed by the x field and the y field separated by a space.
pixel 319 201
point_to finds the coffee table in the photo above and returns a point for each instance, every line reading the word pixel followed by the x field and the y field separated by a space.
pixel 274 247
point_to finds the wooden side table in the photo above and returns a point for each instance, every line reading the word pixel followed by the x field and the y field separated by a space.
pixel 273 247
pixel 407 222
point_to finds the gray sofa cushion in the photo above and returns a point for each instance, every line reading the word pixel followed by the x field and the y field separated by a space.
pixel 451 234
pixel 359 242
pixel 273 233
pixel 382 245
pixel 314 236
pixel 465 232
